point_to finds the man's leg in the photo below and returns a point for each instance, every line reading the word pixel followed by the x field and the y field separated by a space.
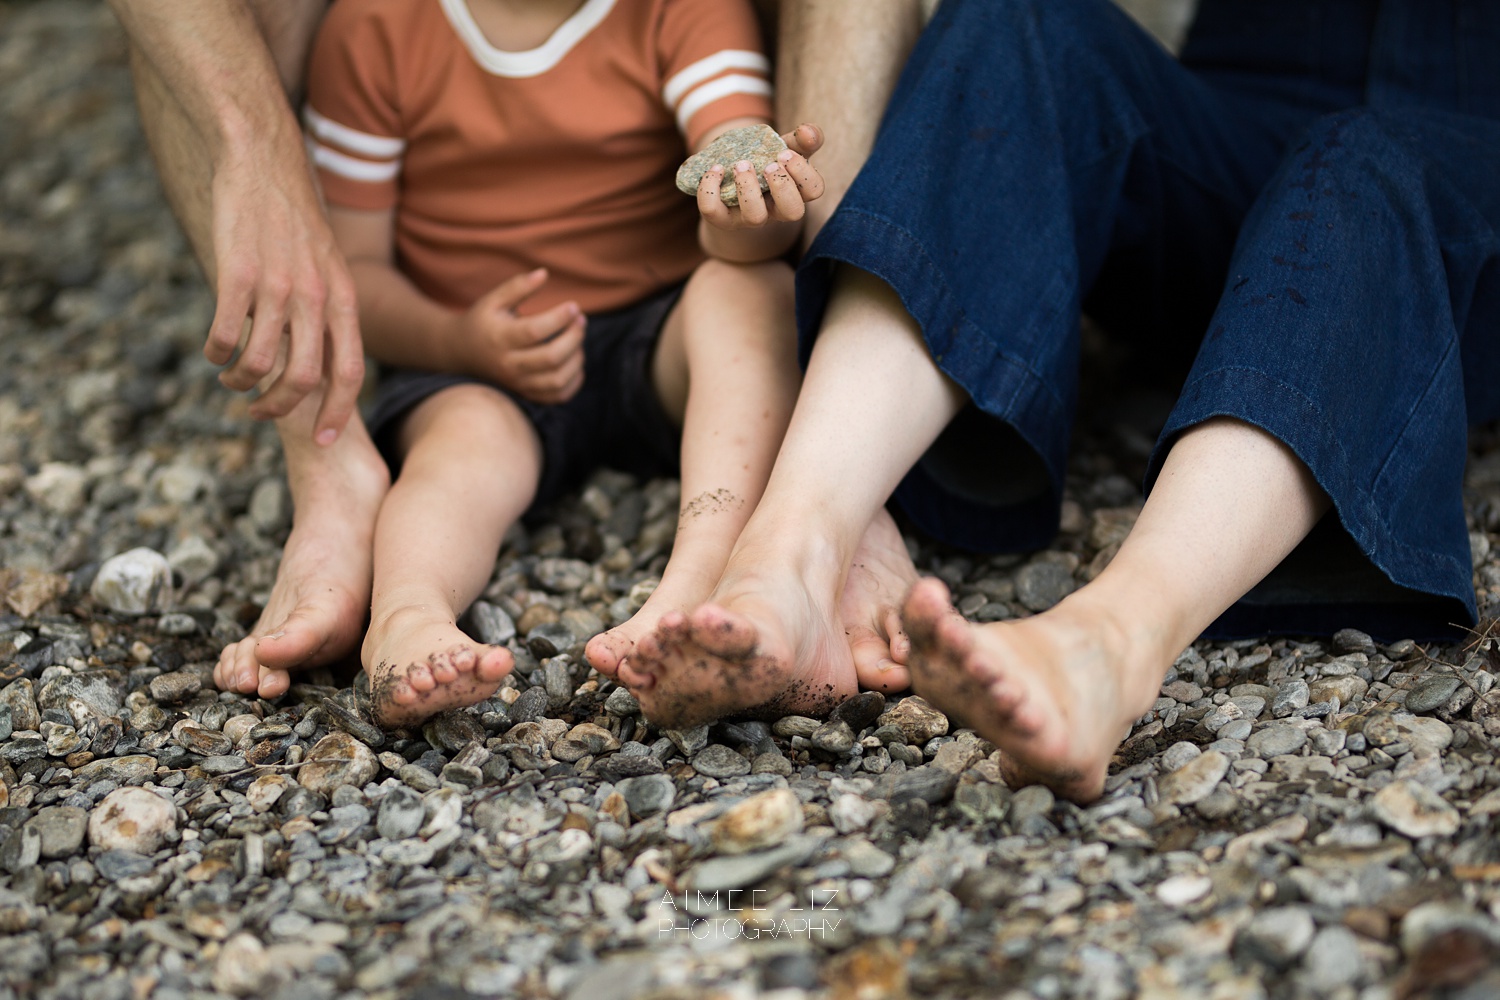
pixel 1059 691
pixel 316 611
pixel 318 603
pixel 836 65
pixel 770 637
pixel 470 463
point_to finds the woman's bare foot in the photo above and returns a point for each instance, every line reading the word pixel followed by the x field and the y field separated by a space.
pixel 763 645
pixel 420 664
pixel 1056 692
pixel 870 607
pixel 321 595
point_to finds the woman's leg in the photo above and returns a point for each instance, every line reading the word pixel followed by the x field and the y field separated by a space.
pixel 1357 323
pixel 470 463
pixel 1058 692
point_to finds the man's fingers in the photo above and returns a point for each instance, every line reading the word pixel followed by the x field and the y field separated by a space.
pixel 809 182
pixel 259 353
pixel 747 185
pixel 304 363
pixel 806 139
pixel 229 315
pixel 344 363
pixel 786 200
pixel 710 205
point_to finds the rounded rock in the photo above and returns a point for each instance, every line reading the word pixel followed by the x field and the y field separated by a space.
pixel 134 582
pixel 132 819
pixel 762 820
pixel 338 759
pixel 718 761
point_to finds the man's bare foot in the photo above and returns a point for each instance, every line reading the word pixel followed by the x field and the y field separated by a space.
pixel 765 645
pixel 420 664
pixel 870 607
pixel 1056 692
pixel 321 595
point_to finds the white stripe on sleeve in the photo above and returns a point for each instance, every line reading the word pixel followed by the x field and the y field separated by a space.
pixel 353 140
pixel 718 89
pixel 711 66
pixel 348 167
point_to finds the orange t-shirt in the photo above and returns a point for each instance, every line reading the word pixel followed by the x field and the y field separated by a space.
pixel 562 156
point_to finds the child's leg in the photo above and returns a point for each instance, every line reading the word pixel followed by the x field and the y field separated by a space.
pixel 469 469
pixel 726 369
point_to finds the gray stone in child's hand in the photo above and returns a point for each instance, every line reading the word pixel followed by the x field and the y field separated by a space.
pixel 757 143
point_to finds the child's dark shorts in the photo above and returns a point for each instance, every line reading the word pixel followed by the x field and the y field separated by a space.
pixel 615 419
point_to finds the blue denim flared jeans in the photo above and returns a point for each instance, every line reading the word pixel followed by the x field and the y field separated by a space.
pixel 1309 196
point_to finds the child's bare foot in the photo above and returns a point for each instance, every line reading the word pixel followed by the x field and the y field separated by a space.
pixel 869 610
pixel 870 607
pixel 1056 692
pixel 420 664
pixel 322 590
pixel 764 645
pixel 607 651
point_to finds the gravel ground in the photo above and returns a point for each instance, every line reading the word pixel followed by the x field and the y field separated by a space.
pixel 1292 819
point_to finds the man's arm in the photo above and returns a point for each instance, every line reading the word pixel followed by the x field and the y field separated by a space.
pixel 837 62
pixel 231 159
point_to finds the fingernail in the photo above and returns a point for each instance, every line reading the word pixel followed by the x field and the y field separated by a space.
pixel 743 165
pixel 327 436
pixel 785 156
pixel 273 635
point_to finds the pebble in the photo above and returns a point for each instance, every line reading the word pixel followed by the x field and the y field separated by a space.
pixel 1193 781
pixel 761 821
pixel 134 582
pixel 337 759
pixel 61 829
pixel 742 870
pixel 1431 693
pixel 648 795
pixel 134 820
pixel 917 720
pixel 1277 936
pixel 1275 740
pixel 1414 810
pixel 719 761
pixel 758 144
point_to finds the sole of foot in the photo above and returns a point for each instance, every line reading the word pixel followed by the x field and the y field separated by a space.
pixel 1044 689
pixel 419 670
pixel 739 658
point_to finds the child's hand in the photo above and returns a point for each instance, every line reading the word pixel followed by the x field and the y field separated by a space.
pixel 792 179
pixel 539 357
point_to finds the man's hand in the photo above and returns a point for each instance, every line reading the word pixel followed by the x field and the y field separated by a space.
pixel 539 357
pixel 277 265
pixel 793 183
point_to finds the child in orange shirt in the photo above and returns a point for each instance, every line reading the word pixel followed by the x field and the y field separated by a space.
pixel 478 155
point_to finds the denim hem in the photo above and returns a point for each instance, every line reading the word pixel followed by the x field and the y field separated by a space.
pixel 1288 415
pixel 999 383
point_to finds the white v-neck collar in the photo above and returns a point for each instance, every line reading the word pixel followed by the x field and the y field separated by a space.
pixel 532 62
